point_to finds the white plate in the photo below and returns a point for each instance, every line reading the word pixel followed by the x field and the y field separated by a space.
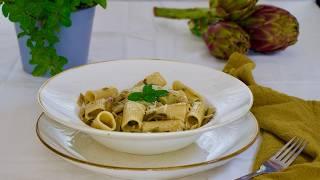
pixel 59 94
pixel 212 149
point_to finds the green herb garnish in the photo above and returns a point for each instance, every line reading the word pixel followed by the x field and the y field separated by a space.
pixel 148 94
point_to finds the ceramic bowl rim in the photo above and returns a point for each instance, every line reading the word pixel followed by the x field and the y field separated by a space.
pixel 116 134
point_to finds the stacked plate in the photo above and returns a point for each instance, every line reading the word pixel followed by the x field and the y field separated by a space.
pixel 146 155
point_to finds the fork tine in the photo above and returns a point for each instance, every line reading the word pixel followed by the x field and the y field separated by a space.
pixel 296 154
pixel 283 148
pixel 289 149
pixel 293 151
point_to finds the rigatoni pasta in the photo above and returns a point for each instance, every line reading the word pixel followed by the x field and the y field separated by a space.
pixel 172 111
pixel 174 97
pixel 196 115
pixel 104 121
pixel 191 94
pixel 133 113
pixel 106 92
pixel 163 126
pixel 92 109
pixel 146 107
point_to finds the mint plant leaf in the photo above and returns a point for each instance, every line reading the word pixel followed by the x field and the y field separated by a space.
pixel 150 98
pixel 148 94
pixel 135 96
pixel 21 34
pixel 102 3
pixel 39 70
pixel 147 89
pixel 5 10
pixel 65 21
pixel 161 93
pixel 29 43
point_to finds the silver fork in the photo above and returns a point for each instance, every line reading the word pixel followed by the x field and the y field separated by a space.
pixel 281 160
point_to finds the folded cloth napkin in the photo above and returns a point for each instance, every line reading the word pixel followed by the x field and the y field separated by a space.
pixel 281 117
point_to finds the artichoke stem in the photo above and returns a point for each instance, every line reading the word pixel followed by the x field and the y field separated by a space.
pixel 213 3
pixel 174 13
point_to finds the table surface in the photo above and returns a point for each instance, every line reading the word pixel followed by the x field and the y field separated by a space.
pixel 127 29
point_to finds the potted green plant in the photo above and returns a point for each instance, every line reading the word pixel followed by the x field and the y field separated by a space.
pixel 53 34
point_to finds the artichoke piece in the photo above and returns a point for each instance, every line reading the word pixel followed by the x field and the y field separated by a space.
pixel 118 107
pixel 108 104
pixel 122 96
pixel 118 118
pixel 119 102
pixel 82 114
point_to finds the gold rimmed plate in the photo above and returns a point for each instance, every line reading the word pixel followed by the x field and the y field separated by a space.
pixel 212 149
pixel 57 97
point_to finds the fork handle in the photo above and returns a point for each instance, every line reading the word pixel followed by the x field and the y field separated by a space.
pixel 250 176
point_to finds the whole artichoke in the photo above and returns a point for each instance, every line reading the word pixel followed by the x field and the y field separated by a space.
pixel 271 28
pixel 236 9
pixel 223 38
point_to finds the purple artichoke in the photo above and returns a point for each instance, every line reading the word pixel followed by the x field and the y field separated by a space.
pixel 224 38
pixel 271 28
pixel 235 9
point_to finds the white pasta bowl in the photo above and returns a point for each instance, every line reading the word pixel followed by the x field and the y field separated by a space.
pixel 58 99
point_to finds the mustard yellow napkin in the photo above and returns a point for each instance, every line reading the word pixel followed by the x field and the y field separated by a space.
pixel 281 117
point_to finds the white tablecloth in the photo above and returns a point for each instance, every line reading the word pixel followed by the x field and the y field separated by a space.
pixel 128 30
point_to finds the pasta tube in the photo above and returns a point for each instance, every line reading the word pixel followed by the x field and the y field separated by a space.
pixel 82 113
pixel 81 100
pixel 190 93
pixel 163 126
pixel 179 109
pixel 106 92
pixel 94 108
pixel 174 97
pixel 133 113
pixel 173 111
pixel 104 121
pixel 209 115
pixel 154 79
pixel 196 115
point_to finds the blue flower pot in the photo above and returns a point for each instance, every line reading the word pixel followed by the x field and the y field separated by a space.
pixel 74 41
